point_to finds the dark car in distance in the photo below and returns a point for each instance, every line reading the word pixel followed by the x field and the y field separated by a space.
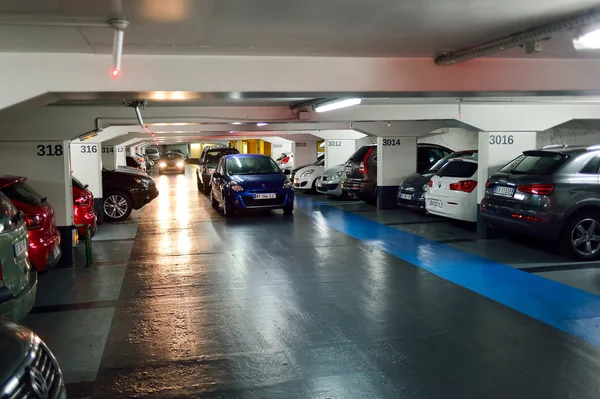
pixel 124 192
pixel 209 160
pixel 411 192
pixel 360 178
pixel 250 181
pixel 171 162
pixel 27 367
pixel 553 194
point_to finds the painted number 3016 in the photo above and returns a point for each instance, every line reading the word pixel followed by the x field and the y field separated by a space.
pixel 50 150
pixel 502 139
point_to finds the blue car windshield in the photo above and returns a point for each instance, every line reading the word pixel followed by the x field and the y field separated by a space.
pixel 251 166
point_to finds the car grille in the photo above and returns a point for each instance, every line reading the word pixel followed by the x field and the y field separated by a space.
pixel 171 164
pixel 250 202
pixel 46 369
pixel 330 186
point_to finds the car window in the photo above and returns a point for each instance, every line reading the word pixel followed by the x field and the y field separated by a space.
pixel 171 156
pixel 535 163
pixel 320 162
pixel 591 168
pixel 151 151
pixel 214 156
pixel 360 154
pixel 458 169
pixel 251 166
pixel 438 165
pixel 23 192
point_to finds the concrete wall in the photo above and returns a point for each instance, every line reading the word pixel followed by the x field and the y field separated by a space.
pixel 454 138
pixel 568 136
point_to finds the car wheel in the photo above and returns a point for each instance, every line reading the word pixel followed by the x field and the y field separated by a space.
pixel 228 210
pixel 581 236
pixel 213 201
pixel 288 210
pixel 117 206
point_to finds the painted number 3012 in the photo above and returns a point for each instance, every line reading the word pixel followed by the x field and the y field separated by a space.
pixel 50 150
pixel 502 139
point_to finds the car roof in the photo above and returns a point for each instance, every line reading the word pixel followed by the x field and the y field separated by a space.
pixel 463 159
pixel 8 180
pixel 568 150
pixel 246 156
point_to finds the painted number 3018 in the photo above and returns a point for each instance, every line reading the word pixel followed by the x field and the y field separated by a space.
pixel 502 139
pixel 50 150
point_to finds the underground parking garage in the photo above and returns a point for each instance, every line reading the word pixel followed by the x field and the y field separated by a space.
pixel 211 200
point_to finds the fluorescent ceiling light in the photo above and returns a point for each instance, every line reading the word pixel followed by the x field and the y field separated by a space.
pixel 262 124
pixel 337 104
pixel 589 40
pixel 236 123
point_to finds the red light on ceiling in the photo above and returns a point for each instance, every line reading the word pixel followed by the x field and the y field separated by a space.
pixel 115 72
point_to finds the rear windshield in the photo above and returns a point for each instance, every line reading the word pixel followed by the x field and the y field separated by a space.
pixel 535 163
pixel 438 165
pixel 171 156
pixel 458 169
pixel 214 156
pixel 360 153
pixel 78 184
pixel 151 151
pixel 23 192
pixel 251 166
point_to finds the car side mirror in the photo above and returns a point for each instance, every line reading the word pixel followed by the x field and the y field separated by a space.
pixel 86 186
pixel 287 172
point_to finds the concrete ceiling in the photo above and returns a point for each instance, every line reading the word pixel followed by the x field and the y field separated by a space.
pixel 382 28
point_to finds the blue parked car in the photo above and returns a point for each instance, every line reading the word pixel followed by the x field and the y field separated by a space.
pixel 250 181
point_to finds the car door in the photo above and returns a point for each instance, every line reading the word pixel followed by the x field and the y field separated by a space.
pixel 219 181
pixel 202 167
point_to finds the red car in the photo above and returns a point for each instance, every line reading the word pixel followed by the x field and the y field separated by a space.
pixel 43 237
pixel 83 209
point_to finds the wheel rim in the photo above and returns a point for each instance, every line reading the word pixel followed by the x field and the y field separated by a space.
pixel 585 237
pixel 115 206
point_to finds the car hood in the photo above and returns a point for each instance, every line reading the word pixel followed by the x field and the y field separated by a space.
pixel 272 181
pixel 317 170
pixel 334 169
pixel 15 343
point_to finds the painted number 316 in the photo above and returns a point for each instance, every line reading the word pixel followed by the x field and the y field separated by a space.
pixel 50 150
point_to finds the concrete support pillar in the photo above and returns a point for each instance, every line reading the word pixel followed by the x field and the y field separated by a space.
pixel 120 154
pixel 496 149
pixel 277 148
pixel 396 157
pixel 109 156
pixel 46 164
pixel 305 152
pixel 86 165
pixel 338 151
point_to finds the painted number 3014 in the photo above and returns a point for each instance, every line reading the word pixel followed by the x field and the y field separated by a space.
pixel 50 150
pixel 502 139
pixel 391 142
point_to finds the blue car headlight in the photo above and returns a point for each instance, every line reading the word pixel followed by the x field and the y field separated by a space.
pixel 235 187
pixel 287 184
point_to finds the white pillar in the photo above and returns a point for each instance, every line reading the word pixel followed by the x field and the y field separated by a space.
pixel 86 164
pixel 338 151
pixel 120 154
pixel 46 164
pixel 496 149
pixel 278 148
pixel 305 152
pixel 109 156
pixel 396 158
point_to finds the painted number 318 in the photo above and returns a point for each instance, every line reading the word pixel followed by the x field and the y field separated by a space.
pixel 50 150
pixel 502 139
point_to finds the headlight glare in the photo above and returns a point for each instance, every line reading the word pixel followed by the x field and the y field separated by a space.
pixel 162 164
pixel 180 164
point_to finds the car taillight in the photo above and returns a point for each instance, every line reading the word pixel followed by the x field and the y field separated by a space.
pixel 430 184
pixel 526 217
pixel 538 189
pixel 82 200
pixel 33 221
pixel 362 168
pixel 488 184
pixel 285 160
pixel 466 186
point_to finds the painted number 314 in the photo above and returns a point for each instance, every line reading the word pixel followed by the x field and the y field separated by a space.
pixel 50 150
pixel 502 139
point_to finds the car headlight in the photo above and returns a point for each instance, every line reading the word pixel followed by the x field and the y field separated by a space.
pixel 308 172
pixel 287 184
pixel 337 175
pixel 180 164
pixel 235 187
pixel 162 164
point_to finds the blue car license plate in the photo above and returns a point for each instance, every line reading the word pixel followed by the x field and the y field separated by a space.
pixel 265 196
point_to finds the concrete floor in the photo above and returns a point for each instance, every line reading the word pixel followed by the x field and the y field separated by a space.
pixel 338 301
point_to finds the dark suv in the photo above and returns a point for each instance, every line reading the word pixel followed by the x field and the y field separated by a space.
pixel 208 162
pixel 124 192
pixel 360 178
pixel 553 193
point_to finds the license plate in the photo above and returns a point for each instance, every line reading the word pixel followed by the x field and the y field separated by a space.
pixel 406 196
pixel 433 203
pixel 505 191
pixel 20 248
pixel 265 196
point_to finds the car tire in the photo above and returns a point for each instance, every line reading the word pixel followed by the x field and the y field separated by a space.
pixel 117 206
pixel 213 202
pixel 228 210
pixel 288 210
pixel 581 236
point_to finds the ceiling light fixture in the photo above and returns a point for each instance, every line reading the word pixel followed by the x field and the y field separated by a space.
pixel 89 135
pixel 337 104
pixel 119 25
pixel 587 39
pixel 259 124
pixel 236 123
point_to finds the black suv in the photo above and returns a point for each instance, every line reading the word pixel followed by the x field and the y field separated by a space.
pixel 208 162
pixel 360 178
pixel 552 193
pixel 124 192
